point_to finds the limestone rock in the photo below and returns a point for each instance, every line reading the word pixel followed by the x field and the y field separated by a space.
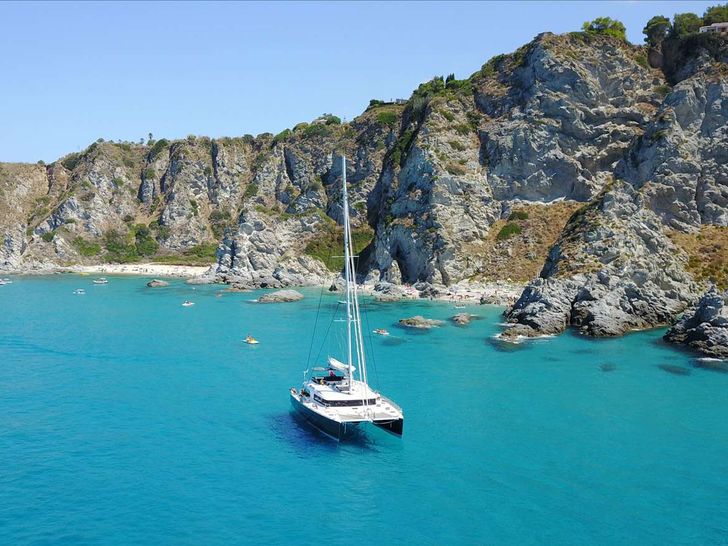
pixel 281 296
pixel 461 319
pixel 419 322
pixel 157 283
pixel 705 327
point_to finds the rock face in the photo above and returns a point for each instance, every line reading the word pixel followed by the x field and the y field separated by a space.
pixel 705 327
pixel 613 270
pixel 468 181
pixel 281 296
pixel 419 322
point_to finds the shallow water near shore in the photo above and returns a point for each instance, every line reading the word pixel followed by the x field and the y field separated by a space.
pixel 127 418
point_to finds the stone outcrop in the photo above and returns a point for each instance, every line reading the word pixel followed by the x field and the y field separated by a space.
pixel 461 319
pixel 613 270
pixel 705 327
pixel 157 283
pixel 281 296
pixel 420 323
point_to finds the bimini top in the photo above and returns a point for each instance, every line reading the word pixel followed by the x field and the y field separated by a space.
pixel 338 365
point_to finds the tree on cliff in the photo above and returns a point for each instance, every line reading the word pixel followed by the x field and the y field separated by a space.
pixel 685 23
pixel 605 25
pixel 716 14
pixel 655 30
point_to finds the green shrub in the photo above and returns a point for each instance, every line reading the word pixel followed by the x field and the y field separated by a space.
pixel 202 251
pixel 71 160
pixel 684 24
pixel 606 26
pixel 219 222
pixel 327 244
pixel 662 90
pixel 48 236
pixel 655 30
pixel 642 61
pixel 331 119
pixel 455 145
pixel 86 248
pixel 284 135
pixel 462 129
pixel 160 145
pixel 128 218
pixel 387 117
pixel 507 231
pixel 518 215
pixel 118 249
pixel 316 130
pixel 449 116
pixel 251 190
pixel 716 14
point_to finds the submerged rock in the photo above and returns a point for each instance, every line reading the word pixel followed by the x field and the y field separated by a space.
pixel 157 283
pixel 705 327
pixel 420 322
pixel 673 369
pixel 281 296
pixel 608 367
pixel 713 364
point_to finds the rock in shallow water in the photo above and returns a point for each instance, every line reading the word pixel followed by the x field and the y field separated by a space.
pixel 462 319
pixel 157 283
pixel 673 369
pixel 282 296
pixel 705 327
pixel 419 322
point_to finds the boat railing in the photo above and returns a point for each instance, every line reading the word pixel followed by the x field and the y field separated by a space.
pixel 395 406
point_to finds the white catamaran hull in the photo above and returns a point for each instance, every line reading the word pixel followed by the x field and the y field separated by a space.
pixel 340 429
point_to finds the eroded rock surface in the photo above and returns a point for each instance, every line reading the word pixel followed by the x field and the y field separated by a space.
pixel 705 327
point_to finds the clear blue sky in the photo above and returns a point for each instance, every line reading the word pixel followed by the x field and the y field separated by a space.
pixel 74 72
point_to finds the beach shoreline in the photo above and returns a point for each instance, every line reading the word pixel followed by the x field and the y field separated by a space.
pixel 132 269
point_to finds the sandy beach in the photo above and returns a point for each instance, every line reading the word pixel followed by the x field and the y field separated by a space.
pixel 156 270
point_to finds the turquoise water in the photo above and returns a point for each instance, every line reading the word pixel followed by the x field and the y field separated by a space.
pixel 126 418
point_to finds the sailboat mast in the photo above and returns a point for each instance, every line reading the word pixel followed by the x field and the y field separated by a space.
pixel 347 272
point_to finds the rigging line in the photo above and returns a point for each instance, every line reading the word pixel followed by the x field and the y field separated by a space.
pixel 372 358
pixel 333 316
pixel 315 324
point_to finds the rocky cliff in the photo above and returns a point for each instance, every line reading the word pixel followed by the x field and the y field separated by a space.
pixel 568 164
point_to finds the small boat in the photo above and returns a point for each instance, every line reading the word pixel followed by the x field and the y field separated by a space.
pixel 381 332
pixel 250 340
pixel 460 306
pixel 5 281
pixel 340 400
pixel 187 303
pixel 101 280
pixel 79 291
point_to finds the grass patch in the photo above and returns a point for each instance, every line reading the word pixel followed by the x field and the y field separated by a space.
pixel 518 215
pixel 251 190
pixel 508 231
pixel 387 117
pixel 329 243
pixel 86 248
pixel 48 236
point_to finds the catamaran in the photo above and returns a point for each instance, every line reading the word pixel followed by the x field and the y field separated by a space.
pixel 339 400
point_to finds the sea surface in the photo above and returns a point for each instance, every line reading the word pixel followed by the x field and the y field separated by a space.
pixel 126 418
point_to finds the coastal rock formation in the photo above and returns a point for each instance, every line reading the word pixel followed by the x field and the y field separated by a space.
pixel 157 283
pixel 569 165
pixel 281 296
pixel 420 323
pixel 705 327
pixel 613 270
pixel 461 319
